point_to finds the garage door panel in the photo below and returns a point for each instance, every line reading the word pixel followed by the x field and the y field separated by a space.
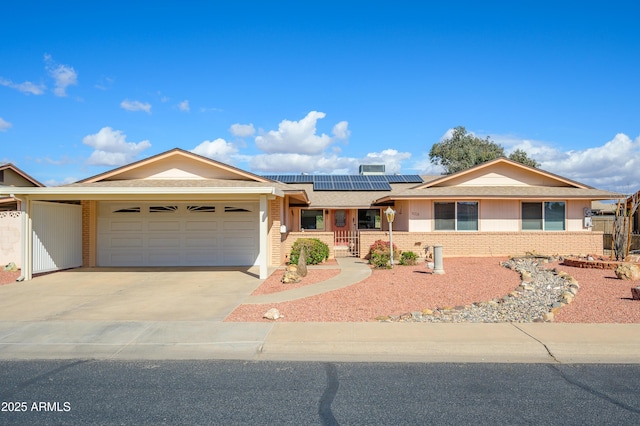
pixel 125 226
pixel 163 225
pixel 199 225
pixel 200 257
pixel 233 225
pixel 202 242
pixel 162 258
pixel 239 242
pixel 124 243
pixel 165 243
pixel 182 236
pixel 239 257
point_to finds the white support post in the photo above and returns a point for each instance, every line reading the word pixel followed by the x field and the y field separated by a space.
pixel 264 229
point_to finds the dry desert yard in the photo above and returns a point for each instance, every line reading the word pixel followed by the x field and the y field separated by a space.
pixel 602 297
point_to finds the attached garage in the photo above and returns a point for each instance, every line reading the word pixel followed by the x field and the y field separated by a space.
pixel 178 233
pixel 173 209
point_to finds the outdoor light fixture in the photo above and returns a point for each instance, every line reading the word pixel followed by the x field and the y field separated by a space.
pixel 391 214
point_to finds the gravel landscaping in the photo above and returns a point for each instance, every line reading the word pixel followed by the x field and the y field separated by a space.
pixel 472 289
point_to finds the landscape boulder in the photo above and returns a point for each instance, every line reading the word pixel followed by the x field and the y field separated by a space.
pixel 291 275
pixel 272 314
pixel 302 262
pixel 628 271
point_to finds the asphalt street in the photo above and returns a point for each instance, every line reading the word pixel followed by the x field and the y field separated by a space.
pixel 322 393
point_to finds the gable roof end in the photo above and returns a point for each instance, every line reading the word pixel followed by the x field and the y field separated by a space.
pixel 503 160
pixel 111 174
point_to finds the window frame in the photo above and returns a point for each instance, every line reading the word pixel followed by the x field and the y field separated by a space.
pixel 544 220
pixel 302 228
pixel 377 217
pixel 456 216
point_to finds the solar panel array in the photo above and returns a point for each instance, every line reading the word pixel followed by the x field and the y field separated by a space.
pixel 348 182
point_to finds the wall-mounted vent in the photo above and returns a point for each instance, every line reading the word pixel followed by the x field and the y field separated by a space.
pixel 372 169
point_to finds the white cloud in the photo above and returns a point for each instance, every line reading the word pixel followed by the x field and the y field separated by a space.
pixel 136 106
pixel 341 130
pixel 112 149
pixel 297 137
pixel 184 106
pixel 28 88
pixel 613 166
pixel 63 75
pixel 242 130
pixel 219 150
pixel 326 163
pixel 302 163
pixel 4 125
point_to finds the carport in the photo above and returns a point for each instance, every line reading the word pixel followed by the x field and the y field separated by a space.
pixel 174 209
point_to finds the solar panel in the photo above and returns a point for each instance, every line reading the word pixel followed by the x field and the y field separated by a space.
pixel 396 179
pixel 323 186
pixel 343 186
pixel 380 186
pixel 347 182
pixel 413 178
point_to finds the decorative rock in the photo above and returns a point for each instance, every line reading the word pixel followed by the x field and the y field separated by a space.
pixel 427 312
pixel 272 314
pixel 635 293
pixel 291 277
pixel 548 317
pixel 11 267
pixel 526 277
pixel 628 271
pixel 302 262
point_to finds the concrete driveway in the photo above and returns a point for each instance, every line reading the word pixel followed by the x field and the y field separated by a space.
pixel 131 294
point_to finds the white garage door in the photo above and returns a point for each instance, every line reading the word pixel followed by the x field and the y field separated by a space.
pixel 178 234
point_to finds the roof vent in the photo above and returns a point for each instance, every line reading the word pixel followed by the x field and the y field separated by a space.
pixel 372 169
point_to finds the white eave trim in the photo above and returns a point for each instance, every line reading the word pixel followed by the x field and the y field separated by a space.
pixel 180 190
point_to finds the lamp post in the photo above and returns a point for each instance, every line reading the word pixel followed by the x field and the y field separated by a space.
pixel 391 214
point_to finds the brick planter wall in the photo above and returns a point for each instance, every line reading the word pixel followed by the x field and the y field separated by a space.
pixel 489 243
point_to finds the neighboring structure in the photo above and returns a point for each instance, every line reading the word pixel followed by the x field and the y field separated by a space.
pixel 10 217
pixel 10 175
pixel 178 208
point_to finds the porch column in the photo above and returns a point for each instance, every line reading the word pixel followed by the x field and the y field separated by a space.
pixel 26 240
pixel 264 228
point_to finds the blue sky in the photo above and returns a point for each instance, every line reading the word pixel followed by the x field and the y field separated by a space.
pixel 290 86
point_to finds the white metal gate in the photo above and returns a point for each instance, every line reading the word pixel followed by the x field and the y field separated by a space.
pixel 57 236
pixel 346 244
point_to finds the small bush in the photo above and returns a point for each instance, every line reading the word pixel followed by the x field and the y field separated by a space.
pixel 316 251
pixel 380 255
pixel 408 258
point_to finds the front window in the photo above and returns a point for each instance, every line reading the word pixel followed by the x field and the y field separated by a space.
pixel 369 219
pixel 312 219
pixel 456 216
pixel 547 216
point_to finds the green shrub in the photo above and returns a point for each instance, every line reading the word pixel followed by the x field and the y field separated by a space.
pixel 316 251
pixel 408 258
pixel 380 254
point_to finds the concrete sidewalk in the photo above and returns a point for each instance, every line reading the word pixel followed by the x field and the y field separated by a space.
pixel 370 342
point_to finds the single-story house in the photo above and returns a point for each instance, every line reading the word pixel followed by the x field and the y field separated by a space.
pixel 10 216
pixel 181 209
